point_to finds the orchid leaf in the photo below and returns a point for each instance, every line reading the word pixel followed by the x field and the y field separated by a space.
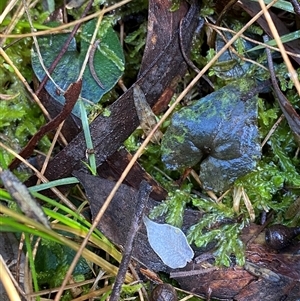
pixel 107 61
pixel 218 131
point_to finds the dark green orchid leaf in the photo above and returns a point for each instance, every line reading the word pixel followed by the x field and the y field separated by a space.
pixel 53 259
pixel 229 64
pixel 220 132
pixel 107 62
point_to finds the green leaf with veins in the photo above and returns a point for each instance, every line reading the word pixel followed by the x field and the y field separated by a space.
pixel 108 63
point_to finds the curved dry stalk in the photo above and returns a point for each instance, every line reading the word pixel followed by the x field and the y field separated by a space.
pixel 90 49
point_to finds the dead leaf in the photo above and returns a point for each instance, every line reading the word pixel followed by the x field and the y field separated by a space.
pixel 114 165
pixel 232 283
pixel 115 222
pixel 71 96
pixel 146 116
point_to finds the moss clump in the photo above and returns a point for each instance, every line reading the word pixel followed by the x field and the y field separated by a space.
pixel 20 119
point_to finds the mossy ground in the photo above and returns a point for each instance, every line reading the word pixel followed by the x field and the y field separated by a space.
pixel 273 186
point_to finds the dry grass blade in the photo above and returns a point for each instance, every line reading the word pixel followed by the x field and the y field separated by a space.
pixel 292 72
pixel 224 29
pixel 60 29
pixel 272 130
pixel 19 12
pixel 7 282
pixel 48 156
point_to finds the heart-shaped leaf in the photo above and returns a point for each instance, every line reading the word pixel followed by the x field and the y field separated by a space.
pixel 220 131
pixel 229 65
pixel 169 243
pixel 108 63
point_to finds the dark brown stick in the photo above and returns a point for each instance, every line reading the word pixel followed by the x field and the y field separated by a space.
pixel 184 51
pixel 141 201
pixel 289 112
pixel 296 6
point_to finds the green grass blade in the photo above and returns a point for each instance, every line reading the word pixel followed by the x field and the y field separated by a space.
pixel 284 39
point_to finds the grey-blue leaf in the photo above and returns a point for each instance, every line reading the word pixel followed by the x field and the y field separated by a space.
pixel 169 243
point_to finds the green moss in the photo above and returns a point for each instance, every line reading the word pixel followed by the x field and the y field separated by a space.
pixel 131 289
pixel 53 261
pixel 208 229
pixel 137 39
pixel 267 116
pixel 208 8
pixel 174 206
pixel 20 118
pixel 175 5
